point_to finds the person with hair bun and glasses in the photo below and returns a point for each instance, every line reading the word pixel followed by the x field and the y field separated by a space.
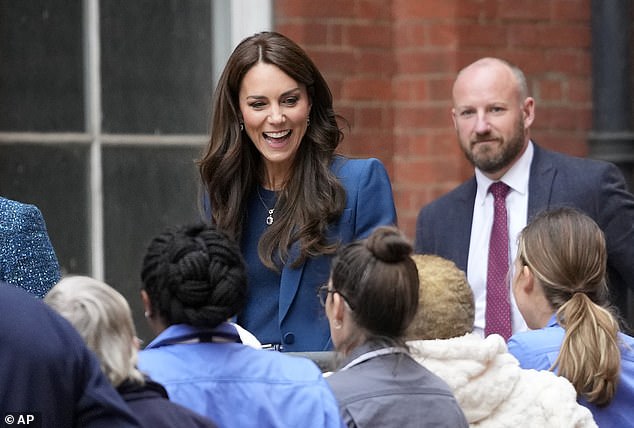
pixel 194 281
pixel 370 300
pixel 561 289
pixel 274 182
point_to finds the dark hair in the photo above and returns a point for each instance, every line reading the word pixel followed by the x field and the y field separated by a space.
pixel 566 252
pixel 194 275
pixel 231 166
pixel 379 280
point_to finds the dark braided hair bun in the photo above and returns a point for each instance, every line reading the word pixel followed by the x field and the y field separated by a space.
pixel 195 275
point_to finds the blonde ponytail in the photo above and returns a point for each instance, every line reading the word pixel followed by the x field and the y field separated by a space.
pixel 589 356
pixel 566 251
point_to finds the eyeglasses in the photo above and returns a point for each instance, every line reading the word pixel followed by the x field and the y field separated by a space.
pixel 324 291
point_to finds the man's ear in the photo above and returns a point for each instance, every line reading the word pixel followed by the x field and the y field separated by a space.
pixel 453 118
pixel 528 110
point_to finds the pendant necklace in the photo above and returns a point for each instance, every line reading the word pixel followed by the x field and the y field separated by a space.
pixel 269 218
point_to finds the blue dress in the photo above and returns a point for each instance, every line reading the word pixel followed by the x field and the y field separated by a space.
pixel 283 308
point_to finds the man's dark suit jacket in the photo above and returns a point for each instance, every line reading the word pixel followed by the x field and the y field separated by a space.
pixel 594 187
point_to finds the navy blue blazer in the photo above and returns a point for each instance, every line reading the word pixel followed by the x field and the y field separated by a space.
pixel 27 258
pixel 595 187
pixel 47 370
pixel 369 203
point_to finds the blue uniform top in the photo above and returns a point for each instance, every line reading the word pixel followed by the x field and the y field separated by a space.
pixel 538 349
pixel 212 373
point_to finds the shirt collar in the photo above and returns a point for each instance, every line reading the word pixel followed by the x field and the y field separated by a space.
pixel 516 177
pixel 184 333
pixel 552 322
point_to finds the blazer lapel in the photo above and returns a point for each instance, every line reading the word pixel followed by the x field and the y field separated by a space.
pixel 289 282
pixel 461 232
pixel 540 183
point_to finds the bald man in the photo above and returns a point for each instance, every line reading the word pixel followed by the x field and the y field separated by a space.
pixel 492 115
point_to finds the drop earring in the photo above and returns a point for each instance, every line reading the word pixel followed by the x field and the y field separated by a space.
pixel 308 121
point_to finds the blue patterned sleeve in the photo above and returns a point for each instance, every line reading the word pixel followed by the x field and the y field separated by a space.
pixel 28 259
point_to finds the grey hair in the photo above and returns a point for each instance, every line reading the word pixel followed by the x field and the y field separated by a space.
pixel 103 318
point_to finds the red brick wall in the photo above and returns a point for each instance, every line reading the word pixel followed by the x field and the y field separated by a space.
pixel 391 64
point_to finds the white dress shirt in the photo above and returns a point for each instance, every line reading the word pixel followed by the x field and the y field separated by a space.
pixel 517 210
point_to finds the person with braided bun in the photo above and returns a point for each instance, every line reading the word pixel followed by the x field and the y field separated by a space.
pixel 370 300
pixel 194 281
pixel 561 289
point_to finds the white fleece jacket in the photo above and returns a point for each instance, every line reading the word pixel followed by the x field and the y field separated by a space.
pixel 494 391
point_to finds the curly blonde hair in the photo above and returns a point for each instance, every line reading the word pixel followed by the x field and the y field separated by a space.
pixel 446 307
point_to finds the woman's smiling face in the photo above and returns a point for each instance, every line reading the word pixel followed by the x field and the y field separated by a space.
pixel 275 111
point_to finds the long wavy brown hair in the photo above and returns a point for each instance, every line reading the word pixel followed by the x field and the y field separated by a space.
pixel 231 167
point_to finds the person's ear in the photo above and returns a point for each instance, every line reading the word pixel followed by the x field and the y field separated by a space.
pixel 528 279
pixel 147 304
pixel 338 309
pixel 528 112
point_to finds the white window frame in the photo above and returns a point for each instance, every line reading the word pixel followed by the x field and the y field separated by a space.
pixel 231 21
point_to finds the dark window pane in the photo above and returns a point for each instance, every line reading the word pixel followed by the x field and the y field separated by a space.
pixel 156 66
pixel 55 178
pixel 146 189
pixel 41 80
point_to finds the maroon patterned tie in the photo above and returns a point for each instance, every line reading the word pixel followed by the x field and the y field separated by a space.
pixel 498 306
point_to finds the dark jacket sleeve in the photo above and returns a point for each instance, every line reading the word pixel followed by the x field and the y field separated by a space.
pixel 47 370
pixel 615 216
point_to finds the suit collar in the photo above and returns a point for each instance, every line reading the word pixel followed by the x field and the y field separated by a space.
pixel 540 184
pixel 462 219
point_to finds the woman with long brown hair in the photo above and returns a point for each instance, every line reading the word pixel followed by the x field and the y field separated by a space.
pixel 275 184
